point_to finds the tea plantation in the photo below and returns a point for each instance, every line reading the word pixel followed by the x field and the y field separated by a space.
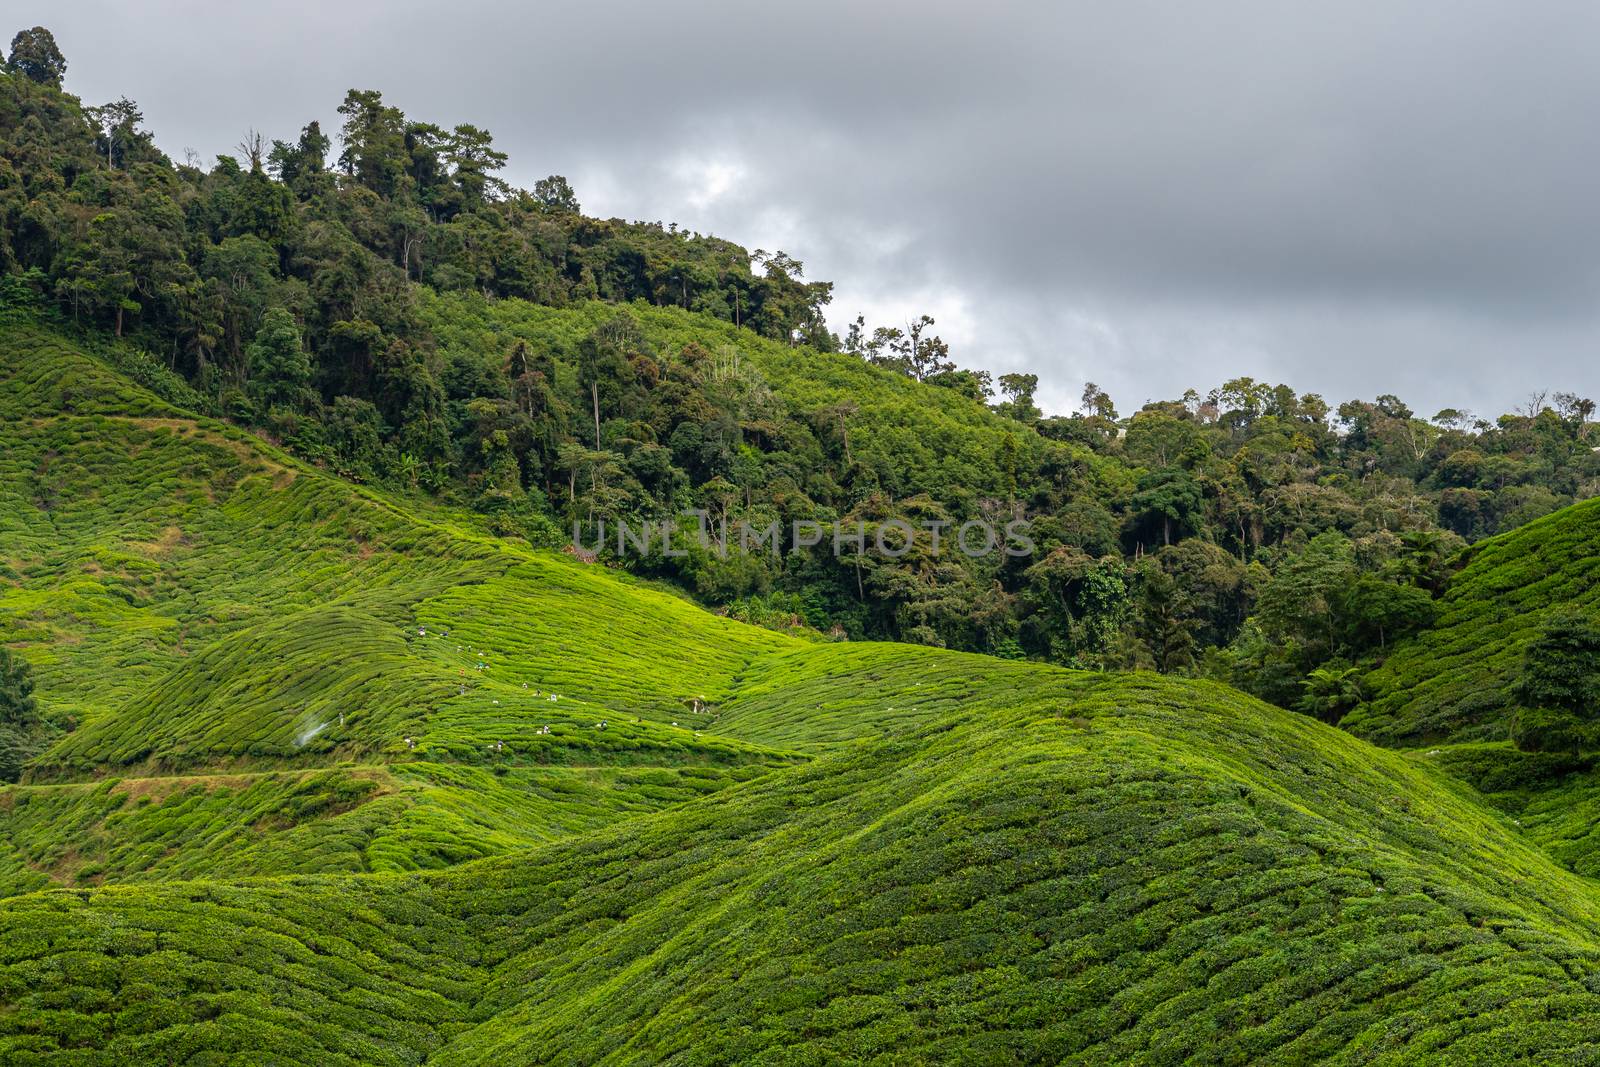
pixel 1451 682
pixel 339 778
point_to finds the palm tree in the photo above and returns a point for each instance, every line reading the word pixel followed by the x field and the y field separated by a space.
pixel 409 468
pixel 1331 692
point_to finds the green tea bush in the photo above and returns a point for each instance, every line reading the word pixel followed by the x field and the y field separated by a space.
pixel 1455 681
pixel 354 781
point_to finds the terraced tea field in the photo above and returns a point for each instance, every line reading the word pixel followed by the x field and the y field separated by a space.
pixel 1450 683
pixel 350 781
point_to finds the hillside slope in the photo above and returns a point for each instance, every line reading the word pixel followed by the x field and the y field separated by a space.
pixel 913 438
pixel 1104 869
pixel 132 541
pixel 1451 681
pixel 311 814
pixel 199 606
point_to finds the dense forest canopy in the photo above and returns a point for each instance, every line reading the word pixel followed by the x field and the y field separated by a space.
pixel 378 299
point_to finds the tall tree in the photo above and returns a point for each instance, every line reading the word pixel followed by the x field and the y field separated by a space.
pixel 470 153
pixel 374 142
pixel 34 55
pixel 914 351
pixel 302 165
pixel 17 705
pixel 1096 401
pixel 555 195
pixel 1168 500
pixel 280 371
pixel 603 359
pixel 1331 691
pixel 1559 689
pixel 1019 390
pixel 18 719
pixel 1561 668
pixel 117 128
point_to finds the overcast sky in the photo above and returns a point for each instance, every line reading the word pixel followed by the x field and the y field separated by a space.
pixel 1368 198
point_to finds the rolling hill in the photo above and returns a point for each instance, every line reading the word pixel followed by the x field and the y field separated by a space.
pixel 350 780
pixel 1446 693
pixel 206 610
pixel 1450 683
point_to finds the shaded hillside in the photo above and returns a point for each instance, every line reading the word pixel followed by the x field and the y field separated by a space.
pixel 1452 681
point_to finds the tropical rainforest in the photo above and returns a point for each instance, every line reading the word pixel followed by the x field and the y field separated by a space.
pixel 326 745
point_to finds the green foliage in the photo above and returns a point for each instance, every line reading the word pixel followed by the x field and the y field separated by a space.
pixel 14 752
pixel 34 55
pixel 1333 603
pixel 19 724
pixel 1376 612
pixel 1303 601
pixel 19 297
pixel 1561 667
pixel 1167 503
pixel 1544 729
pixel 280 373
pixel 1079 604
pixel 399 314
pixel 1457 680
pixel 1559 687
pixel 311 814
pixel 17 705
pixel 1331 691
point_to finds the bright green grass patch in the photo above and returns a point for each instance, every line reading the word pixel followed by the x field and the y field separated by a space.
pixel 336 683
pixel 575 630
pixel 123 829
pixel 310 683
pixel 198 600
pixel 152 544
pixel 43 375
pixel 1552 798
pixel 345 819
pixel 820 696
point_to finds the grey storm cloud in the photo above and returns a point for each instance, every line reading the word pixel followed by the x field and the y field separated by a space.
pixel 1354 198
